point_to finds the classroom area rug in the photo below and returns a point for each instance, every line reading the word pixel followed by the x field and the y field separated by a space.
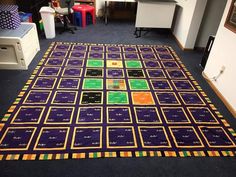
pixel 104 100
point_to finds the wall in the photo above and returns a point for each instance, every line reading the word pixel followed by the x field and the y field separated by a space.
pixel 223 54
pixel 211 21
pixel 187 21
pixel 99 5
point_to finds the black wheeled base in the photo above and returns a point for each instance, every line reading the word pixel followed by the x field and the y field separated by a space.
pixel 66 27
pixel 138 32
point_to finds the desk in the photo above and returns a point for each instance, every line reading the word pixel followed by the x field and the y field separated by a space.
pixel 154 14
pixel 106 6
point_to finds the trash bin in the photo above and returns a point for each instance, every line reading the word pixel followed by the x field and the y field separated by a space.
pixel 47 14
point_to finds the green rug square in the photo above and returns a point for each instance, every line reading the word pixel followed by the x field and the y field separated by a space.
pixel 138 84
pixel 95 63
pixel 117 97
pixel 93 84
pixel 133 64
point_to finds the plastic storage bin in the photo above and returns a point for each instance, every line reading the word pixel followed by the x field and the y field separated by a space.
pixel 25 17
pixel 47 14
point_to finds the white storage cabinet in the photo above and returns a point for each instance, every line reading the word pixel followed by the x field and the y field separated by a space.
pixel 155 13
pixel 18 47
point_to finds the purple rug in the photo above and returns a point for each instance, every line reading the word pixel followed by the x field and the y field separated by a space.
pixel 98 100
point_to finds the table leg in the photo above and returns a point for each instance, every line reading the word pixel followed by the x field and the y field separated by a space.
pixel 106 12
pixel 138 32
pixel 135 32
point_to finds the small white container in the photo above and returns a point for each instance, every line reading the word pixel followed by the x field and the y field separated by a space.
pixel 47 14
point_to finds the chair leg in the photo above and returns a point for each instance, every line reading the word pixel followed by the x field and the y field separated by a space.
pixel 74 21
pixel 66 27
pixel 68 20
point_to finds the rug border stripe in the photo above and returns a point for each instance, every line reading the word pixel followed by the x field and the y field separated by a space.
pixel 123 154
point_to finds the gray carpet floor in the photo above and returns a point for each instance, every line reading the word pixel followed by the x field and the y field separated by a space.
pixel 11 82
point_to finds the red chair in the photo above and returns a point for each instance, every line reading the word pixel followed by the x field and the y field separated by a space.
pixel 83 9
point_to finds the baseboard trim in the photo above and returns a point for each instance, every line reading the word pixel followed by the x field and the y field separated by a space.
pixel 180 45
pixel 223 99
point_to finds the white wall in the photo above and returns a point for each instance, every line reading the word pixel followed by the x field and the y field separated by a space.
pixel 187 22
pixel 223 54
pixel 211 21
pixel 99 5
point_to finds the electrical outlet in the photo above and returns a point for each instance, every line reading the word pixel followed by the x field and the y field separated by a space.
pixel 215 78
pixel 222 69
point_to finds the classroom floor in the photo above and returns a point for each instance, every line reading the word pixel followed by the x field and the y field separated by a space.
pixel 11 82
